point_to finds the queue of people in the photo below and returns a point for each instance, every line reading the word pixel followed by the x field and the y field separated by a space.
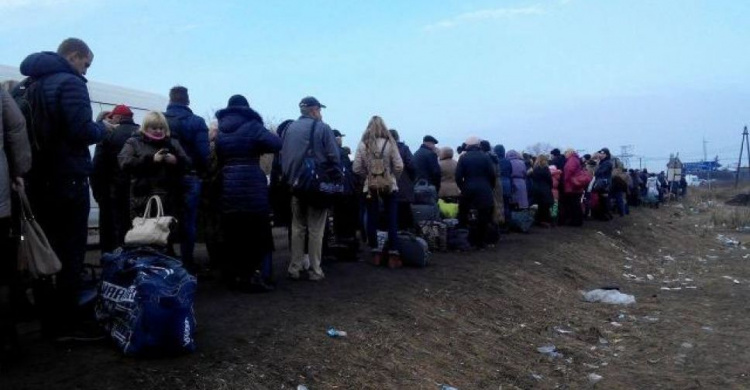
pixel 218 174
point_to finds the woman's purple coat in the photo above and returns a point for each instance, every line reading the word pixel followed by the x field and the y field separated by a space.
pixel 518 177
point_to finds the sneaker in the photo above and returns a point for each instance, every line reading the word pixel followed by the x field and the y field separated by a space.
pixel 376 257
pixel 306 262
pixel 315 277
pixel 394 259
pixel 293 275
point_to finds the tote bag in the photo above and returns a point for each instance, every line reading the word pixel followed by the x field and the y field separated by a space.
pixel 150 230
pixel 35 254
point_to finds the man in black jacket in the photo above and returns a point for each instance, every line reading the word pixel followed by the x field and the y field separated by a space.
pixel 426 166
pixel 58 184
pixel 192 132
pixel 405 182
pixel 109 184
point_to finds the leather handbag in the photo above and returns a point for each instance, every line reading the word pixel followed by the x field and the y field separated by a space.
pixel 150 230
pixel 35 254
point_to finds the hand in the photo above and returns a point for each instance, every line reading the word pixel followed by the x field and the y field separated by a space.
pixel 159 156
pixel 17 183
pixel 109 126
pixel 170 158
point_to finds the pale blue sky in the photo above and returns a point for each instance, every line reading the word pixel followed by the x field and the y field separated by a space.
pixel 656 74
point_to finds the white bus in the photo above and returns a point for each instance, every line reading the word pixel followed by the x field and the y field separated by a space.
pixel 104 97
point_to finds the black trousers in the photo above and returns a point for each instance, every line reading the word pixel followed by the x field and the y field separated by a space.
pixel 478 229
pixel 570 209
pixel 61 207
pixel 247 240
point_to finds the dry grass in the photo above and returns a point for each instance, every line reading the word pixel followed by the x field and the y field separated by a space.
pixel 714 200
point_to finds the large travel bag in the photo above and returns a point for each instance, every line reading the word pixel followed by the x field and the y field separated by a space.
pixel 146 302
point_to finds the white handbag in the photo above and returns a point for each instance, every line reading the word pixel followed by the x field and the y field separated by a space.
pixel 148 230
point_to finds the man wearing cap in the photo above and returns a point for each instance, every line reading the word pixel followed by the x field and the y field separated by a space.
pixel 192 133
pixel 109 184
pixel 426 166
pixel 306 217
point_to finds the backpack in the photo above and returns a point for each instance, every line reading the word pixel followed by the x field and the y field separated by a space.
pixel 378 179
pixel 317 184
pixel 29 97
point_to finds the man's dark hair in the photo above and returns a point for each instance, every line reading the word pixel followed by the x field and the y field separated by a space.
pixel 394 134
pixel 179 94
pixel 73 45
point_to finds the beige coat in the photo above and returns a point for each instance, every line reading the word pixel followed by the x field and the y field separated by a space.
pixel 393 163
pixel 448 186
pixel 15 152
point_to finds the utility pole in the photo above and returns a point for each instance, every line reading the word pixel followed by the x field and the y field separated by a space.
pixel 745 143
pixel 706 163
pixel 626 152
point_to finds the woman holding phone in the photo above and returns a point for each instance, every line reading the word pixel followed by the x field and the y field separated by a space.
pixel 156 163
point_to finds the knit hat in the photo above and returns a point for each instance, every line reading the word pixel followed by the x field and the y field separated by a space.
pixel 121 109
pixel 472 141
pixel 238 101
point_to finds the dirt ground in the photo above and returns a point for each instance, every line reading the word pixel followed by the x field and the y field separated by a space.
pixel 470 320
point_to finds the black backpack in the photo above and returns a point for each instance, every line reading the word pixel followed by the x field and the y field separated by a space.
pixel 29 96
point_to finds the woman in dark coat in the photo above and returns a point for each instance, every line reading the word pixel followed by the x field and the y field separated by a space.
pixel 603 185
pixel 504 173
pixel 476 177
pixel 244 204
pixel 405 184
pixel 156 164
pixel 541 190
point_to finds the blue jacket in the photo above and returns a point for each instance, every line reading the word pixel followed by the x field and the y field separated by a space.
pixel 192 133
pixel 241 141
pixel 67 97
pixel 426 166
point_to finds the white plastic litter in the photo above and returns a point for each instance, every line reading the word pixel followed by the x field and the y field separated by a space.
pixel 735 281
pixel 550 350
pixel 594 378
pixel 608 296
pixel 728 241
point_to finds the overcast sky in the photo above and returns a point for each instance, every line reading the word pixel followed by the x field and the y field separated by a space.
pixel 658 75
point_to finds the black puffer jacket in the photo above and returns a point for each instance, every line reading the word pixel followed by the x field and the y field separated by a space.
pixel 405 181
pixel 426 166
pixel 66 94
pixel 107 177
pixel 241 141
pixel 476 177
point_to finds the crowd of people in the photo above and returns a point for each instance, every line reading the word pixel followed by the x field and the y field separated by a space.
pixel 213 181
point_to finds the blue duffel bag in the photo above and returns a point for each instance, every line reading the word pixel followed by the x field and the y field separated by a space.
pixel 146 302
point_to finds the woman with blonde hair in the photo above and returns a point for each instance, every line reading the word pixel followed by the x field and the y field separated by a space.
pixel 541 190
pixel 156 164
pixel 378 161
